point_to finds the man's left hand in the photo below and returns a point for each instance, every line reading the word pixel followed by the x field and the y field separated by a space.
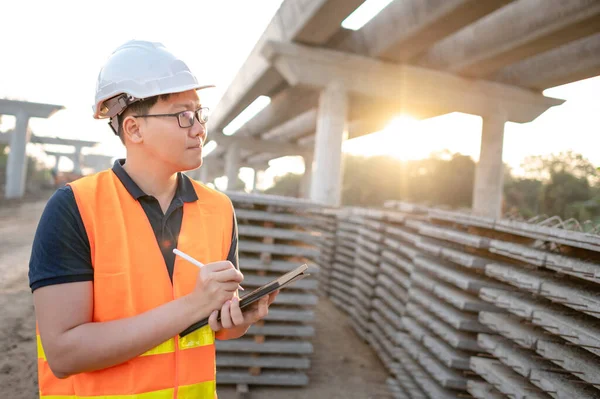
pixel 233 317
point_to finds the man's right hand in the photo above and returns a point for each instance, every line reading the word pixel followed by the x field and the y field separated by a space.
pixel 216 284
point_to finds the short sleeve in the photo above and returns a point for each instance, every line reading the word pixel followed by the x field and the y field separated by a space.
pixel 61 249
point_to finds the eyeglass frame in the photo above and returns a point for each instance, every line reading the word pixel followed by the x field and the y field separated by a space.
pixel 176 115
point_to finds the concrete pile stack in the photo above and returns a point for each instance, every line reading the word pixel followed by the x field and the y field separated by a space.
pixel 341 281
pixel 325 224
pixel 547 343
pixel 276 235
pixel 440 318
pixel 366 269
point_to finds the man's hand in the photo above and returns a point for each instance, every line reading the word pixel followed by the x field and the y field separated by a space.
pixel 217 283
pixel 232 316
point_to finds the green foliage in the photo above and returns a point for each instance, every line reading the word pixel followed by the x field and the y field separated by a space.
pixel 287 185
pixel 565 184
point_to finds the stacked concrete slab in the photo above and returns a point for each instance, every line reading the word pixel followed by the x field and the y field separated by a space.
pixel 325 224
pixel 546 343
pixel 341 282
pixel 440 320
pixel 463 306
pixel 366 261
pixel 276 235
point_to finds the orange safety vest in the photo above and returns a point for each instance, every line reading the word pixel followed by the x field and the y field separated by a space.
pixel 130 277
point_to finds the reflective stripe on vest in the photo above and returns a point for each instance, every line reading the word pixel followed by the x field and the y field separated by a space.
pixel 130 277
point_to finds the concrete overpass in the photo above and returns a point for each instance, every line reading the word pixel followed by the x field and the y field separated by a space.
pixel 422 57
pixel 16 169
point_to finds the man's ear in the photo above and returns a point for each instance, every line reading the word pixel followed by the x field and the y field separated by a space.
pixel 132 130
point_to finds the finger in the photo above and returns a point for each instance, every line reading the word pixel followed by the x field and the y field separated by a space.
pixel 273 296
pixel 230 287
pixel 213 322
pixel 218 266
pixel 225 315
pixel 236 313
pixel 229 275
pixel 263 307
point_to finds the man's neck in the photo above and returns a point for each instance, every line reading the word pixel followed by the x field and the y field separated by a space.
pixel 152 179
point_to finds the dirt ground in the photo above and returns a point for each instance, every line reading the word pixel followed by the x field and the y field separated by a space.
pixel 343 366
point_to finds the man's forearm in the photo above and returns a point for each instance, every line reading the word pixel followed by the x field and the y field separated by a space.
pixel 95 346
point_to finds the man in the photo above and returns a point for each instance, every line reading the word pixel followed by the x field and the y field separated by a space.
pixel 110 296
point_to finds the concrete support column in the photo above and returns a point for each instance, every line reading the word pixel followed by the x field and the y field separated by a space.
pixel 489 173
pixel 332 130
pixel 203 174
pixel 16 168
pixel 255 180
pixel 232 165
pixel 77 160
pixel 306 178
pixel 57 157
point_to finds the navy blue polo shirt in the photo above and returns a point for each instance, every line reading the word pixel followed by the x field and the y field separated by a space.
pixel 61 249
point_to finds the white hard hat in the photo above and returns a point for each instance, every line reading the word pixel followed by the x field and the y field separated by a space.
pixel 138 70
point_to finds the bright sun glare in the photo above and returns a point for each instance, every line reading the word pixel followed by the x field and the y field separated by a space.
pixel 407 138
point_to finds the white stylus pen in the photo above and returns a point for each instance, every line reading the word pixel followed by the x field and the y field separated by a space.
pixel 194 261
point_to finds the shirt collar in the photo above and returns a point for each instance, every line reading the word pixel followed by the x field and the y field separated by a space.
pixel 185 189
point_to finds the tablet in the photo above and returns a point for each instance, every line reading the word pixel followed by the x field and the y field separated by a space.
pixel 297 274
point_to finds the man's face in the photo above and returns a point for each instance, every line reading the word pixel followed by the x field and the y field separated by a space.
pixel 164 141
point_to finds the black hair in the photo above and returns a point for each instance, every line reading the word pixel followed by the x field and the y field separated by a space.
pixel 139 108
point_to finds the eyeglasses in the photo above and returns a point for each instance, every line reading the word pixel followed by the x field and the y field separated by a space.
pixel 185 118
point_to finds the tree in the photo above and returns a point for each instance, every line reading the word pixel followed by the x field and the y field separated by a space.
pixel 542 167
pixel 562 191
pixel 287 185
pixel 522 195
pixel 564 184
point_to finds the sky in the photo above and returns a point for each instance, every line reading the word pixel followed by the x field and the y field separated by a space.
pixel 54 56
